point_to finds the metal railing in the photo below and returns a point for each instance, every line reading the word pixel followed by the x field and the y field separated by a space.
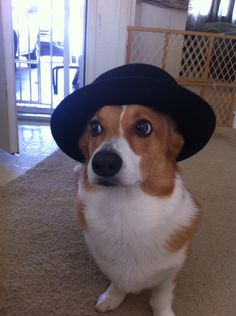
pixel 202 62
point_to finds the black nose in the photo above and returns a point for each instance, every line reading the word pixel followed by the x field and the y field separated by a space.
pixel 106 163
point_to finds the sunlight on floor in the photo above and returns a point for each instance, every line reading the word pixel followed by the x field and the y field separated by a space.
pixel 36 143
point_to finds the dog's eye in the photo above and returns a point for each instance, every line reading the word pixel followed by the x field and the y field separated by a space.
pixel 95 128
pixel 143 128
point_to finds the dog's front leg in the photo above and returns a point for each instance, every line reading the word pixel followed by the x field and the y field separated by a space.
pixel 161 299
pixel 110 299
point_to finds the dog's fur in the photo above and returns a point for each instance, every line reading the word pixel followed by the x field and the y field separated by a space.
pixel 139 227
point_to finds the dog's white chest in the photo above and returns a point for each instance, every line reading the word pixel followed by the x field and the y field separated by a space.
pixel 127 235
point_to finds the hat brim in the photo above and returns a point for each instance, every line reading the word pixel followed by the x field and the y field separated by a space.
pixel 194 117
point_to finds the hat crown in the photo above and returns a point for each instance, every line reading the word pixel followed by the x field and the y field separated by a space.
pixel 137 70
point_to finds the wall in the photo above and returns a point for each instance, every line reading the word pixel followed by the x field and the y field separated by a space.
pixel 3 96
pixel 107 22
pixel 154 16
pixel 8 123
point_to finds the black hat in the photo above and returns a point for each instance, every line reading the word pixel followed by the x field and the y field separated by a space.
pixel 134 84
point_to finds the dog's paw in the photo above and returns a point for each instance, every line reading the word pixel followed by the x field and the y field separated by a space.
pixel 110 299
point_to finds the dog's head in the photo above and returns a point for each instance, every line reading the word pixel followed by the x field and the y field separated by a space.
pixel 131 146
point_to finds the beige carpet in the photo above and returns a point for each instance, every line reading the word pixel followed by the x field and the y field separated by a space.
pixel 45 268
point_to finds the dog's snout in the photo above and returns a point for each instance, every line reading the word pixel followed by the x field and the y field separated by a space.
pixel 106 163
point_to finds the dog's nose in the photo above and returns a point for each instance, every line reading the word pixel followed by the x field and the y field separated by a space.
pixel 106 163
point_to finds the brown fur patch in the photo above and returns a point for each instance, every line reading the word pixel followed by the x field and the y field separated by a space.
pixel 81 217
pixel 183 236
pixel 158 151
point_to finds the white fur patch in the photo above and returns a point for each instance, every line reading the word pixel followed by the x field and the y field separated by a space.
pixel 110 299
pixel 121 130
pixel 128 232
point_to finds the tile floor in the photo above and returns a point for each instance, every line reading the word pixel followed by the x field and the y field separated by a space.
pixel 36 143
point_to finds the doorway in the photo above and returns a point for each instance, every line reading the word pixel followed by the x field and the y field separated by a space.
pixel 49 52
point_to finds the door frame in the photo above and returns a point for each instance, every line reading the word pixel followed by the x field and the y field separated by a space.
pixel 8 115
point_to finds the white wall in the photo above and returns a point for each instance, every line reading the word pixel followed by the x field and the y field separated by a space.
pixel 154 16
pixel 8 122
pixel 107 22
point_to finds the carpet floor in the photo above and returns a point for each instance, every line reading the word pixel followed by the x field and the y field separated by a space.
pixel 45 268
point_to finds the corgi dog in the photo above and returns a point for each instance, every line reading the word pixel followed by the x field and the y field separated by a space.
pixel 137 216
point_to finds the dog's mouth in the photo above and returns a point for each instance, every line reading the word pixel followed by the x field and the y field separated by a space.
pixel 106 182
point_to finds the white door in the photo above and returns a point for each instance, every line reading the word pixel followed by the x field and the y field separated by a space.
pixel 8 120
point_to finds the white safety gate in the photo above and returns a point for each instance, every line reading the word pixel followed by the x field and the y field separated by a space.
pixel 48 47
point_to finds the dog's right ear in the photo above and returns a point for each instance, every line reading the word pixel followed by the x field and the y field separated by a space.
pixel 83 144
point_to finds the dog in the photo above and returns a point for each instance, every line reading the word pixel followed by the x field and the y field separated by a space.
pixel 137 216
pixel 129 128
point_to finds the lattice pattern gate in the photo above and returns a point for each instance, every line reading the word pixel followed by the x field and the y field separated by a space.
pixel 202 62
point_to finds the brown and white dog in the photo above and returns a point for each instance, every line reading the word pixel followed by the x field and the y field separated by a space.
pixel 137 216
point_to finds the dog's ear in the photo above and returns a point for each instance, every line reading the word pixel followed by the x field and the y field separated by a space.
pixel 83 144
